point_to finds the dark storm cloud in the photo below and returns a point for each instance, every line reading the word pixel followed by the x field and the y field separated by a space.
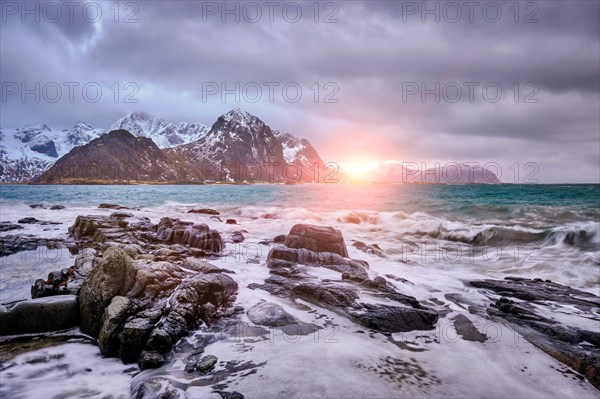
pixel 371 54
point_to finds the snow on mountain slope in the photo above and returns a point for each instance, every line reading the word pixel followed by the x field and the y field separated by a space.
pixel 163 134
pixel 239 146
pixel 296 150
pixel 236 144
pixel 27 152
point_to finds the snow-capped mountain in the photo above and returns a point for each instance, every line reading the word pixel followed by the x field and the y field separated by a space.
pixel 163 134
pixel 241 147
pixel 26 152
pixel 238 147
pixel 298 151
pixel 29 151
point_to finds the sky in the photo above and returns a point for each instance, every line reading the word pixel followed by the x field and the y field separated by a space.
pixel 515 84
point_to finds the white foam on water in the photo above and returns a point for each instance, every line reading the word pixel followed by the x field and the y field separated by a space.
pixel 71 370
pixel 342 362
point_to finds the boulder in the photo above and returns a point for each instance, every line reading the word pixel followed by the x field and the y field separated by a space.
pixel 57 207
pixel 317 239
pixel 39 315
pixel 201 364
pixel 237 237
pixel 112 321
pixel 270 314
pixel 114 275
pixel 174 231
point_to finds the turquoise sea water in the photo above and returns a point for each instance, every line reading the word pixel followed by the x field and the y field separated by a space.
pixel 581 202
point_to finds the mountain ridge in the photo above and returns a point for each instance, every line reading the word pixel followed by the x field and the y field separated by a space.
pixel 239 147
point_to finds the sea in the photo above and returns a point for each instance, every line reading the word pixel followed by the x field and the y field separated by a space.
pixel 435 238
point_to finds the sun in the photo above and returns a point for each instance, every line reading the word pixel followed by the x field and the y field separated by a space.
pixel 358 169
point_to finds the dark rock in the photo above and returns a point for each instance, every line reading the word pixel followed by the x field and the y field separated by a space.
pixel 174 231
pixel 317 239
pixel 393 319
pixel 133 338
pixel 57 207
pixel 354 268
pixel 150 360
pixel 539 290
pixel 8 226
pixel 112 206
pixel 369 249
pixel 47 148
pixel 270 314
pixel 114 275
pixel 201 364
pixel 280 239
pixel 121 215
pixel 112 321
pixel 231 395
pixel 158 388
pixel 201 266
pixel 37 206
pixel 206 211
pixel 40 315
pixel 326 295
pixel 576 347
pixel 28 220
pixel 167 255
pixel 11 244
pixel 467 330
pixel 237 237
pixel 231 221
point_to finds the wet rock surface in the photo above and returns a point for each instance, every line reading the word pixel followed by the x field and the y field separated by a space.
pixel 139 308
pixel 11 244
pixel 369 249
pixel 317 239
pixel 527 305
pixel 205 211
pixel 40 315
pixel 8 226
pixel 288 281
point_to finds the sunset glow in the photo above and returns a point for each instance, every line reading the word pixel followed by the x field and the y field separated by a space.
pixel 358 169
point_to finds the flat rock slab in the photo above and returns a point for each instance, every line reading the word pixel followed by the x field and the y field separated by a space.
pixel 40 315
pixel 528 307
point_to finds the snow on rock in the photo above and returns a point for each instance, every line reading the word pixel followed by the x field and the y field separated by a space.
pixel 162 133
pixel 27 152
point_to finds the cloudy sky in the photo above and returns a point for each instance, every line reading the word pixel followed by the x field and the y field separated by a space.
pixel 364 81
